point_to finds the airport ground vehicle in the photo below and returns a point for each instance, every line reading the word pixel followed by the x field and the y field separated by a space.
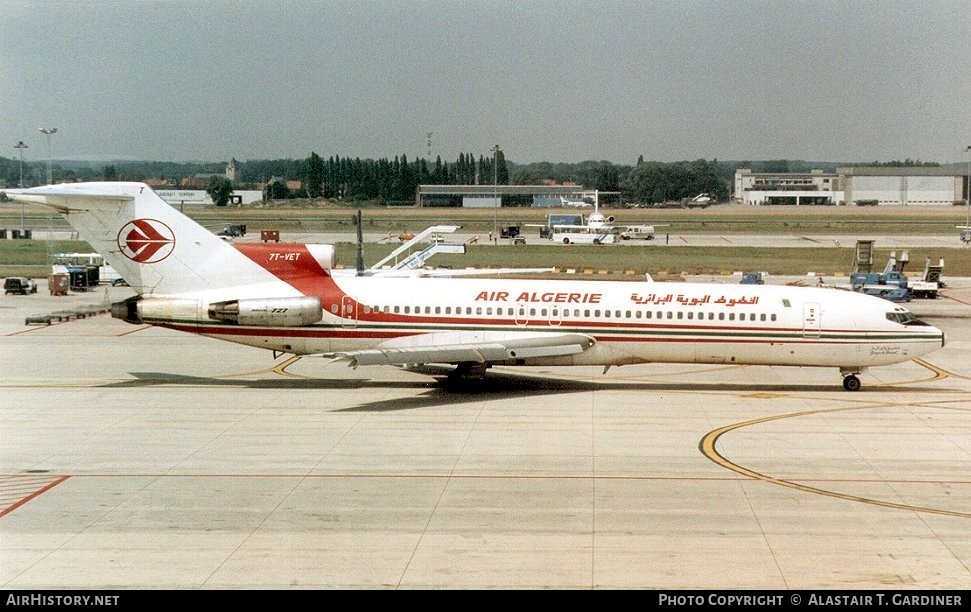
pixel 19 285
pixel 513 233
pixel 510 231
pixel 85 270
pixel 637 232
pixel 59 284
pixel 893 284
pixel 233 230
pixel 584 234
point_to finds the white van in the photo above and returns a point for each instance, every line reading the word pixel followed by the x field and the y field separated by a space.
pixel 638 232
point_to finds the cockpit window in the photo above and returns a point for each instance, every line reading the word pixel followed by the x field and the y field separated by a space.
pixel 904 317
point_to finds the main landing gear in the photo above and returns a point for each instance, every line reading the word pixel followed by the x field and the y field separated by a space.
pixel 851 382
pixel 467 377
pixel 468 370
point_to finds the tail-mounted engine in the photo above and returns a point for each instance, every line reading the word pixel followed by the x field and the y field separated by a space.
pixel 140 309
pixel 277 312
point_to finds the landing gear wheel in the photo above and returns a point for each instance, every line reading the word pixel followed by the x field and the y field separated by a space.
pixel 468 370
pixel 851 383
pixel 468 377
pixel 566 241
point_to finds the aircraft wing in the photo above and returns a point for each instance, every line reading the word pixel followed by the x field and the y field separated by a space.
pixel 458 347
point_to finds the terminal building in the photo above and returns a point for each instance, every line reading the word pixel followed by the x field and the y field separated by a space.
pixel 854 186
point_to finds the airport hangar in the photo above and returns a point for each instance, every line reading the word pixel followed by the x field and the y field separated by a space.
pixel 851 185
pixel 491 196
pixel 860 186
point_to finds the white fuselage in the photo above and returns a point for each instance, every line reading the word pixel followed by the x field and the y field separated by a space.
pixel 632 322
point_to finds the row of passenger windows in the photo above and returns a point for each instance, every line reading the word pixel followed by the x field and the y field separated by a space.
pixel 585 313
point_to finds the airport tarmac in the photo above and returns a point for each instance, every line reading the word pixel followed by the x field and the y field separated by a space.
pixel 924 241
pixel 140 458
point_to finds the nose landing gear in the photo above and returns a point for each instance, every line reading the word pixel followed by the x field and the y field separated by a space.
pixel 851 382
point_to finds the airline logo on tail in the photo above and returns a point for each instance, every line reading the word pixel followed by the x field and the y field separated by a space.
pixel 146 241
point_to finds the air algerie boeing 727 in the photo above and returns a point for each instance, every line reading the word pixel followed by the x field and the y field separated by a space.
pixel 288 298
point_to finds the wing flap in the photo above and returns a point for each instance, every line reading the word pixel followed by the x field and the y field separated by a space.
pixel 483 351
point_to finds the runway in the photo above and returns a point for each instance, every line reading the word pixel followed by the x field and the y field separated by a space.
pixel 139 458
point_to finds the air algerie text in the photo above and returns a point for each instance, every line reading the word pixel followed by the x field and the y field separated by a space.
pixel 539 296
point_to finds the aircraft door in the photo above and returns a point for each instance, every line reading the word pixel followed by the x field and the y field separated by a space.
pixel 811 320
pixel 522 314
pixel 556 315
pixel 348 312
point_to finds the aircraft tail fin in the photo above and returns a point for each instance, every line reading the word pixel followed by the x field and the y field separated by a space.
pixel 156 249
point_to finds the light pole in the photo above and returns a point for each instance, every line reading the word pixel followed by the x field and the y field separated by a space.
pixel 967 202
pixel 20 145
pixel 495 194
pixel 49 132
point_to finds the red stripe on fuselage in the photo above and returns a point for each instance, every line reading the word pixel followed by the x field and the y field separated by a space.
pixel 376 333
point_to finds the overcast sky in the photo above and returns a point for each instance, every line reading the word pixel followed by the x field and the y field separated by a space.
pixel 560 80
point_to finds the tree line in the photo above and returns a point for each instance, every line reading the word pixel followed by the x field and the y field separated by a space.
pixel 395 180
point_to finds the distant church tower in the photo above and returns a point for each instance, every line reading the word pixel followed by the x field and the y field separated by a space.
pixel 232 170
